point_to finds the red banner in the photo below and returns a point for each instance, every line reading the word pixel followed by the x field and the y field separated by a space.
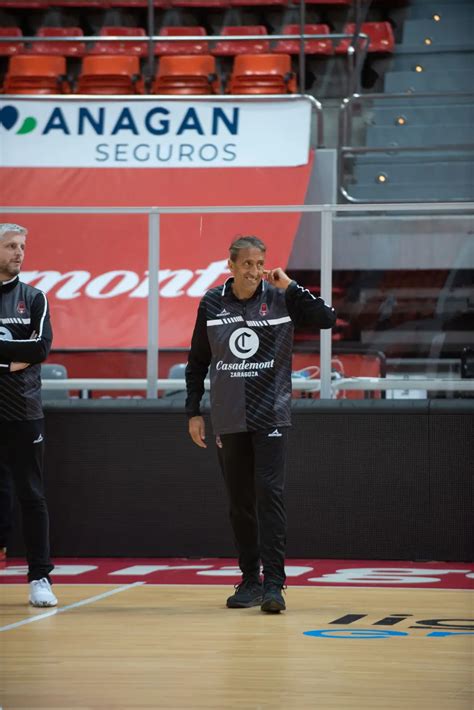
pixel 94 267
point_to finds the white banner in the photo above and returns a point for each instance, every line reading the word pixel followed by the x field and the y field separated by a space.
pixel 94 133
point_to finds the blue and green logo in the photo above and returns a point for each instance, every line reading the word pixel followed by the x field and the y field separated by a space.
pixel 9 118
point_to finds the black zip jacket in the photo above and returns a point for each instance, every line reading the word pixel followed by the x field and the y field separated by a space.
pixel 25 336
pixel 248 345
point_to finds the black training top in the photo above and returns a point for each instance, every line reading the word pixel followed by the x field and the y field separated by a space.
pixel 248 345
pixel 25 336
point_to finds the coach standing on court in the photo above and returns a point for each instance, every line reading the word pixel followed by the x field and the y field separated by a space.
pixel 25 341
pixel 244 331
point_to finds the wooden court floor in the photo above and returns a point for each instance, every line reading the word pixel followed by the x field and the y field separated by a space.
pixel 137 646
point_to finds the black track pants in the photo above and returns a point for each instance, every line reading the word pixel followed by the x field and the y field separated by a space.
pixel 21 460
pixel 6 507
pixel 253 464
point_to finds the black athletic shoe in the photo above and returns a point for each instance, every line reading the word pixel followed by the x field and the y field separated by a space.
pixel 248 593
pixel 273 601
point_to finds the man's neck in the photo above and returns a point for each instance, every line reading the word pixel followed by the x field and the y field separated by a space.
pixel 243 294
pixel 240 295
pixel 7 278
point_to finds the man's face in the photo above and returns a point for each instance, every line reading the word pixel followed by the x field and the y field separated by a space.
pixel 12 252
pixel 247 270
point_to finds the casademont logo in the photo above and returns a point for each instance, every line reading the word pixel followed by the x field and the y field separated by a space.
pixel 69 285
pixel 244 343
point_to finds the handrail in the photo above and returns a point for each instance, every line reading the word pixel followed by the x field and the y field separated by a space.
pixel 447 384
pixel 349 100
pixel 407 149
pixel 345 130
pixel 248 209
pixel 182 38
pixel 167 385
pixel 302 53
pixel 427 384
pixel 150 28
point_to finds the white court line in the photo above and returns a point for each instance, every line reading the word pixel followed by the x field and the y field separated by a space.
pixel 61 609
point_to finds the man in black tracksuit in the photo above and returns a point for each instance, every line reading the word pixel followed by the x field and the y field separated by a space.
pixel 244 332
pixel 25 341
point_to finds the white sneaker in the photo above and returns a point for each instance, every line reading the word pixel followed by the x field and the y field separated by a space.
pixel 41 593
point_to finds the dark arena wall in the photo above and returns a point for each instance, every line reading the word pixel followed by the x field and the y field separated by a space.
pixel 366 480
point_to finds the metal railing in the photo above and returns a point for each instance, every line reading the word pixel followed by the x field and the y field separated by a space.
pixel 345 147
pixel 345 384
pixel 325 385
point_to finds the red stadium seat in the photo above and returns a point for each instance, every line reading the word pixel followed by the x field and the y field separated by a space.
pixel 311 46
pixel 110 74
pixel 107 3
pixel 136 3
pixel 63 49
pixel 100 4
pixel 182 48
pixel 248 3
pixel 186 75
pixel 262 74
pixel 25 4
pixel 9 48
pixel 229 48
pixel 199 3
pixel 29 74
pixel 329 2
pixel 136 48
pixel 76 3
pixel 380 35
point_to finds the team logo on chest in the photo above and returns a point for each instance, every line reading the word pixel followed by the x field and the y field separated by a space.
pixel 263 310
pixel 21 308
pixel 244 343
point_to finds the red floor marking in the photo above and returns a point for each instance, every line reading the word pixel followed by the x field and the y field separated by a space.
pixel 308 573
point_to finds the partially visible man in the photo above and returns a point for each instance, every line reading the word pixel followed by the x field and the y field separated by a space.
pixel 25 341
pixel 244 332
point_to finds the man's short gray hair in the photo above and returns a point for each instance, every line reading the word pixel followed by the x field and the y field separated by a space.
pixel 245 243
pixel 7 228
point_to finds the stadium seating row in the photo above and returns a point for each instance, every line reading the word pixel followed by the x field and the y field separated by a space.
pixel 381 40
pixel 44 4
pixel 107 74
